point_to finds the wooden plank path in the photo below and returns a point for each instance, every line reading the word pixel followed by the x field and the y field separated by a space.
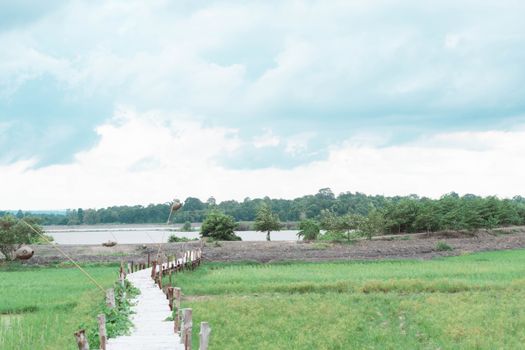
pixel 151 330
pixel 153 307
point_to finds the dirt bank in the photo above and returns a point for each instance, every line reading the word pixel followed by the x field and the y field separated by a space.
pixel 419 246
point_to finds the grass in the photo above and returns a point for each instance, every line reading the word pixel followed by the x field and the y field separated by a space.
pixel 465 302
pixel 443 247
pixel 117 319
pixel 41 307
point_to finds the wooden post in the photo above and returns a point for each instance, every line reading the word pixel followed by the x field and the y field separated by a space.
pixel 186 328
pixel 102 331
pixel 122 275
pixel 153 269
pixel 160 277
pixel 110 298
pixel 149 260
pixel 129 268
pixel 170 297
pixel 82 341
pixel 204 336
pixel 122 279
pixel 132 266
pixel 177 296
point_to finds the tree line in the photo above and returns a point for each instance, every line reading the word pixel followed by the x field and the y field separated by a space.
pixel 381 214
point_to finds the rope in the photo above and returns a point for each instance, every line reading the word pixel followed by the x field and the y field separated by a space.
pixel 116 240
pixel 154 242
pixel 63 253
pixel 167 223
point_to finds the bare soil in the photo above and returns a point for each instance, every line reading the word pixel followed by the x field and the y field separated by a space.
pixel 415 246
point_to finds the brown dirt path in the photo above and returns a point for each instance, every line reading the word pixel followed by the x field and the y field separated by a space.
pixel 419 246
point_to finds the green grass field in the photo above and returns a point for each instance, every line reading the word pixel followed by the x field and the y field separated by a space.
pixel 41 308
pixel 466 302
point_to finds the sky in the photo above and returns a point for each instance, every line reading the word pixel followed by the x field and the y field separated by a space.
pixel 134 102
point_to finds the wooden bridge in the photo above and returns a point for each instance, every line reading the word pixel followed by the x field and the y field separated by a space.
pixel 152 325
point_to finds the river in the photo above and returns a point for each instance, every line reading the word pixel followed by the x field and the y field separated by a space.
pixel 129 234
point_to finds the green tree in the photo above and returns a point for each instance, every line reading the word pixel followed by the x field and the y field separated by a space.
pixel 14 234
pixel 309 229
pixel 339 225
pixel 80 215
pixel 266 220
pixel 427 218
pixel 90 217
pixel 219 226
pixel 373 224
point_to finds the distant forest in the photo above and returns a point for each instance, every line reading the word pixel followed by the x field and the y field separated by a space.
pixel 399 213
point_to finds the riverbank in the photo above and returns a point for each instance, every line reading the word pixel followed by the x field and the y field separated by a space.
pixel 417 246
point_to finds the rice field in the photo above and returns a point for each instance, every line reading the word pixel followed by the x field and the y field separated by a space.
pixel 41 307
pixel 466 302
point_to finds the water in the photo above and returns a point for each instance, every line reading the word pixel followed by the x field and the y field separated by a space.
pixel 136 235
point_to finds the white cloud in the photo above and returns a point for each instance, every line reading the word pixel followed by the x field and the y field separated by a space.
pixel 303 68
pixel 298 143
pixel 148 157
pixel 267 139
pixel 339 55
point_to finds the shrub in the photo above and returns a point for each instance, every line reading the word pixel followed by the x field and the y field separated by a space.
pixel 220 227
pixel 175 239
pixel 186 227
pixel 335 236
pixel 443 247
pixel 309 229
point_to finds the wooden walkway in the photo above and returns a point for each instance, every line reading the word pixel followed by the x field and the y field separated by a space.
pixel 151 330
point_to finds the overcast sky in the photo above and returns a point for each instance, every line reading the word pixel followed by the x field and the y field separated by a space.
pixel 135 102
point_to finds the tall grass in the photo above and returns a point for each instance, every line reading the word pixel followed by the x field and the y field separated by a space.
pixel 40 308
pixel 466 302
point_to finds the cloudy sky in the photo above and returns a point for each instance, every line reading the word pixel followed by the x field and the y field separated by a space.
pixel 134 102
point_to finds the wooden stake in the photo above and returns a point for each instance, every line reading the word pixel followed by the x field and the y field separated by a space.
pixel 170 297
pixel 129 268
pixel 82 341
pixel 153 269
pixel 149 260
pixel 160 277
pixel 204 336
pixel 177 296
pixel 110 298
pixel 102 335
pixel 132 267
pixel 187 325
